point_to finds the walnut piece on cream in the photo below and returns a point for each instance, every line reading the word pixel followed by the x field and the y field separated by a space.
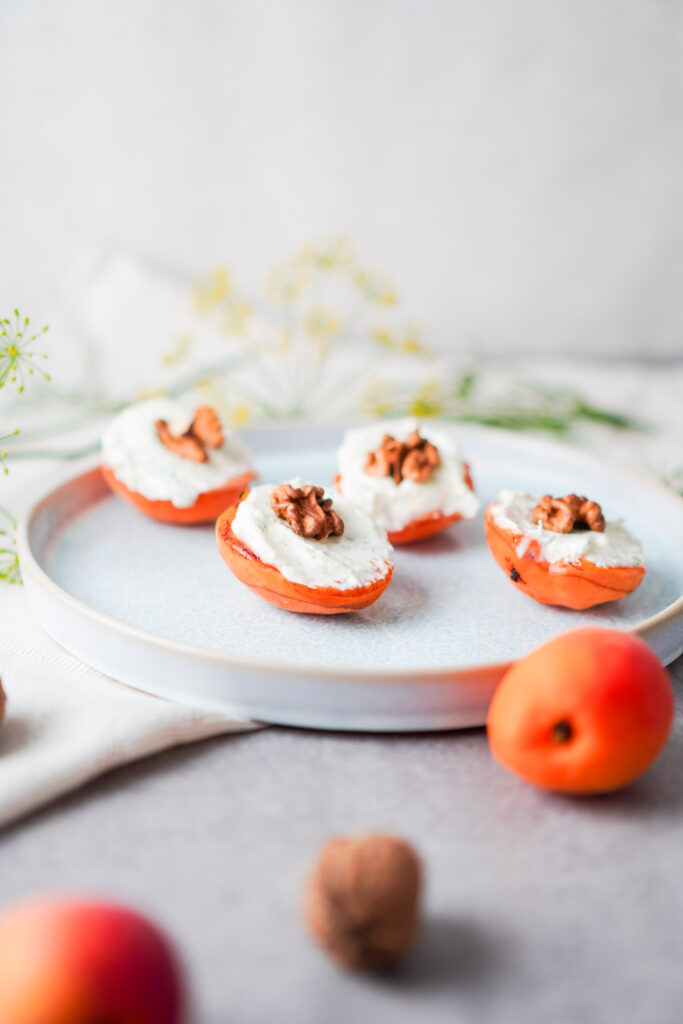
pixel 573 511
pixel 186 445
pixel 204 432
pixel 306 511
pixel 206 427
pixel 416 459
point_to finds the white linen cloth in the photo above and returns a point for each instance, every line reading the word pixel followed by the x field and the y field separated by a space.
pixel 67 723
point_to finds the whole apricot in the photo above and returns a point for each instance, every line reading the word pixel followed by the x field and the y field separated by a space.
pixel 64 962
pixel 587 712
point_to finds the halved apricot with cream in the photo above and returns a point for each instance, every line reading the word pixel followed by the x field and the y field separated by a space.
pixel 174 465
pixel 558 560
pixel 205 509
pixel 411 480
pixel 299 548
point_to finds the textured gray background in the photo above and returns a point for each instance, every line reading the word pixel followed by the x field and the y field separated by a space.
pixel 539 908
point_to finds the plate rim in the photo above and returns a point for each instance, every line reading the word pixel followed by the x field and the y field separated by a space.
pixel 30 567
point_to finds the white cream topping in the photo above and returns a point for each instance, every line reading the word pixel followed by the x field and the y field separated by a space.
pixel 360 556
pixel 132 449
pixel 392 505
pixel 614 547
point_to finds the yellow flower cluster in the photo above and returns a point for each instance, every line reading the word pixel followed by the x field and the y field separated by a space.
pixel 314 302
pixel 210 294
pixel 320 321
pixel 335 254
pixel 16 362
pixel 388 399
pixel 408 344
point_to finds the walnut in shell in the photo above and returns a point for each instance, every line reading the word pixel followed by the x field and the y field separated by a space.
pixel 363 900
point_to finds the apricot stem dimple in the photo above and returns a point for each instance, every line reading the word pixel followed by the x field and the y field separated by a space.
pixel 562 731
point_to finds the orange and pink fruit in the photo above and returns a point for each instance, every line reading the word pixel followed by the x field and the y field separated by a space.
pixel 587 712
pixel 66 962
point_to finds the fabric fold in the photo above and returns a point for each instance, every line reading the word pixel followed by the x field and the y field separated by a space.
pixel 67 723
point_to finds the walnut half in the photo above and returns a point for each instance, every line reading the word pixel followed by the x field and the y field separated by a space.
pixel 186 445
pixel 573 511
pixel 306 511
pixel 416 459
pixel 206 427
pixel 204 431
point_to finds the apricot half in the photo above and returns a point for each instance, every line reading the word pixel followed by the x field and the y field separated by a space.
pixel 424 526
pixel 64 962
pixel 205 509
pixel 268 582
pixel 578 586
pixel 587 712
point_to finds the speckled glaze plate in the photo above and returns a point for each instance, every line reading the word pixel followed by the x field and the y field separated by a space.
pixel 154 605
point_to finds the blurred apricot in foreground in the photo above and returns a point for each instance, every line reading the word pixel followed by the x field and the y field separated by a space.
pixel 587 712
pixel 65 962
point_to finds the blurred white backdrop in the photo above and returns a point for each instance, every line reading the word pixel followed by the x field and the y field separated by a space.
pixel 515 166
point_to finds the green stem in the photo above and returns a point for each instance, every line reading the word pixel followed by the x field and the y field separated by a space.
pixel 56 453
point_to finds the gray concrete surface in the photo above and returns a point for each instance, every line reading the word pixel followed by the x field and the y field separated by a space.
pixel 539 909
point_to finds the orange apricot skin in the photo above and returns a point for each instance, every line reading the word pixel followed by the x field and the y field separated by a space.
pixel 609 691
pixel 65 962
pixel 572 586
pixel 206 508
pixel 423 526
pixel 269 583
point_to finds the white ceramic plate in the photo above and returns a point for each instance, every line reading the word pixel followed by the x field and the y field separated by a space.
pixel 154 606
